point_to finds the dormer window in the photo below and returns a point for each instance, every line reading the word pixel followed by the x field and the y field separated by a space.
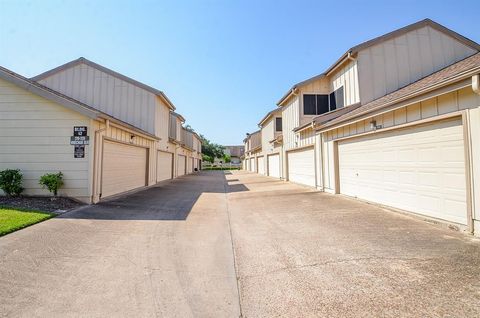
pixel 317 104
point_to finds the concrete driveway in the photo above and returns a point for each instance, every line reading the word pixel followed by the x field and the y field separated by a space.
pixel 215 245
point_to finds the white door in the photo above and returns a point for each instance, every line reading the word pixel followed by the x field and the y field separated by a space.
pixel 124 168
pixel 164 165
pixel 274 166
pixel 419 169
pixel 189 165
pixel 181 165
pixel 301 166
pixel 252 165
pixel 261 165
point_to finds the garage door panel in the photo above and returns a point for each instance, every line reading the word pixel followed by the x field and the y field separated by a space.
pixel 164 166
pixel 301 167
pixel 181 165
pixel 420 170
pixel 274 165
pixel 261 165
pixel 116 178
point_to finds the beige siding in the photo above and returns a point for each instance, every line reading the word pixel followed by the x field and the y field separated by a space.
pixel 306 137
pixel 35 137
pixel 347 76
pixel 430 108
pixel 268 133
pixel 109 94
pixel 291 120
pixel 392 64
pixel 162 124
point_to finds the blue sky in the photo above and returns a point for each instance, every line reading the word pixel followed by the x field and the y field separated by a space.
pixel 224 64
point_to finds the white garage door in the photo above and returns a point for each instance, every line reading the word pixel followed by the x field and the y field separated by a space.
pixel 419 169
pixel 164 166
pixel 124 168
pixel 301 166
pixel 189 165
pixel 252 165
pixel 181 165
pixel 261 165
pixel 274 166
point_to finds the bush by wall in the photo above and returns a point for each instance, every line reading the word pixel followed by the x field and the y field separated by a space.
pixel 52 181
pixel 11 182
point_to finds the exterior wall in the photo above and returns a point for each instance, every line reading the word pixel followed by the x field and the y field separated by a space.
pixel 395 63
pixel 107 93
pixel 291 120
pixel 460 100
pixel 35 138
pixel 162 124
pixel 268 134
pixel 346 76
pixel 100 132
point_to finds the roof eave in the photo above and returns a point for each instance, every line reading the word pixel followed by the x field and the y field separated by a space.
pixel 104 69
pixel 450 81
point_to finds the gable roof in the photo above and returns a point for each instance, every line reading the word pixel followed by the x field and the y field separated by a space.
pixel 61 99
pixel 270 113
pixel 355 49
pixel 182 119
pixel 101 68
pixel 463 69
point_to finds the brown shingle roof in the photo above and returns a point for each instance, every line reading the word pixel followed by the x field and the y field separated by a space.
pixel 464 66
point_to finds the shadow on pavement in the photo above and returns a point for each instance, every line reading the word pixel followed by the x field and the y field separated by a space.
pixel 170 201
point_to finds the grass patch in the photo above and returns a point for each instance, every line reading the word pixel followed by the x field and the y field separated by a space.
pixel 12 219
pixel 220 168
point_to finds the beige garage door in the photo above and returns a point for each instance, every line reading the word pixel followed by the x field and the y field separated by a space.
pixel 124 168
pixel 301 166
pixel 164 166
pixel 190 165
pixel 252 165
pixel 181 165
pixel 274 166
pixel 261 165
pixel 419 169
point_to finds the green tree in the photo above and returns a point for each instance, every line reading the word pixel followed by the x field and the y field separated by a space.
pixel 207 158
pixel 227 158
pixel 212 150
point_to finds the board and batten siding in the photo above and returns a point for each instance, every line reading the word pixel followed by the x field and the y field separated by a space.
pixel 443 104
pixel 107 93
pixel 397 62
pixel 290 121
pixel 35 138
pixel 162 125
pixel 347 76
pixel 268 133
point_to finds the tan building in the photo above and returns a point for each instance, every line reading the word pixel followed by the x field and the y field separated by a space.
pixel 253 148
pixel 394 121
pixel 270 160
pixel 126 124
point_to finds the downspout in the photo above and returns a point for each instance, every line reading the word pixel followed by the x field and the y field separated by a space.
pixel 97 179
pixel 473 211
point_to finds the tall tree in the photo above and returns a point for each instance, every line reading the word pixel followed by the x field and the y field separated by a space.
pixel 210 149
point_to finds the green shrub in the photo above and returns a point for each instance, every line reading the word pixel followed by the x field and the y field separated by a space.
pixel 11 182
pixel 52 181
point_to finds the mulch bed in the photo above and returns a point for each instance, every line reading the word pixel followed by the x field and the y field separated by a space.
pixel 46 204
